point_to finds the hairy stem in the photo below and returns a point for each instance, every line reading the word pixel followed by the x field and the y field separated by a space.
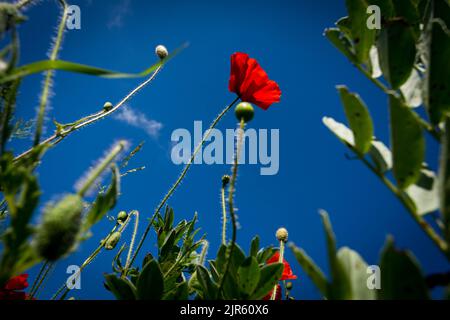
pixel 59 136
pixel 231 190
pixel 280 260
pixel 133 238
pixel 224 217
pixel 180 178
pixel 48 78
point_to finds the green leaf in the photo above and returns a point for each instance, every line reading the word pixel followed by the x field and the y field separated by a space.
pixel 407 143
pixel 180 292
pixel 122 288
pixel 254 247
pixel 356 269
pixel 336 37
pixel 359 119
pixel 150 284
pixel 437 51
pixel 270 275
pixel 363 37
pixel 45 65
pixel 311 269
pixel 248 276
pixel 401 277
pixel 412 90
pixel 397 52
pixel 424 193
pixel 381 156
pixel 341 131
pixel 208 287
pixel 444 179
pixel 339 288
pixel 104 202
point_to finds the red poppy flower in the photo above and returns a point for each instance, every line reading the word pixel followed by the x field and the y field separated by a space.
pixel 287 271
pixel 277 295
pixel 13 288
pixel 251 83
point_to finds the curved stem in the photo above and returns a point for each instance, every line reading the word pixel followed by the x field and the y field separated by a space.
pixel 48 78
pixel 224 217
pixel 59 136
pixel 231 204
pixel 180 178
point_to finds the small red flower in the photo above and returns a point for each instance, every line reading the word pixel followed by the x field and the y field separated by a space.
pixel 277 296
pixel 287 271
pixel 13 288
pixel 251 83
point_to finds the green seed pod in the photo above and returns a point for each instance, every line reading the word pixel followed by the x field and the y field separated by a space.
pixel 122 216
pixel 59 229
pixel 244 110
pixel 107 106
pixel 289 286
pixel 112 241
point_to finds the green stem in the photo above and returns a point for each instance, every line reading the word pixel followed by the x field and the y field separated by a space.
pixel 98 170
pixel 224 217
pixel 89 259
pixel 23 3
pixel 38 277
pixel 180 178
pixel 59 136
pixel 133 238
pixel 280 260
pixel 48 78
pixel 429 231
pixel 40 284
pixel 231 190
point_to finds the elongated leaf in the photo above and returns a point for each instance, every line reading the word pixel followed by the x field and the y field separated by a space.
pixel 336 37
pixel 359 119
pixel 311 269
pixel 339 288
pixel 41 66
pixel 340 130
pixel 270 274
pixel 407 143
pixel 122 289
pixel 412 90
pixel 381 156
pixel 150 284
pixel 356 269
pixel 248 276
pixel 401 277
pixel 424 193
pixel 254 247
pixel 444 179
pixel 363 37
pixel 397 52
pixel 208 287
pixel 437 51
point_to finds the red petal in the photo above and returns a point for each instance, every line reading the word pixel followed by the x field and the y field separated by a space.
pixel 17 283
pixel 238 70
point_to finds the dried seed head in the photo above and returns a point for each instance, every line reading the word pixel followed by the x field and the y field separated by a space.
pixel 112 241
pixel 107 106
pixel 244 110
pixel 225 180
pixel 161 51
pixel 122 216
pixel 58 232
pixel 282 234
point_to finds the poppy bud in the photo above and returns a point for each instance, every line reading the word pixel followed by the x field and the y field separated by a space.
pixel 282 234
pixel 59 229
pixel 289 286
pixel 112 241
pixel 161 51
pixel 122 216
pixel 244 110
pixel 107 106
pixel 225 180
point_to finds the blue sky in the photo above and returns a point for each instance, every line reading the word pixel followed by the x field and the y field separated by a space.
pixel 286 38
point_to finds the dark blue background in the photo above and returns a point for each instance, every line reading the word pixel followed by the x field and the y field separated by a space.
pixel 286 38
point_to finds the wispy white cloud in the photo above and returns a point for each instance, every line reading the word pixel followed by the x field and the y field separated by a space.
pixel 118 13
pixel 139 120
